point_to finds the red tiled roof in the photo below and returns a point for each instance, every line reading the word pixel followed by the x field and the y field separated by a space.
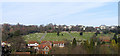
pixel 22 52
pixel 41 46
pixel 32 42
pixel 96 27
pixel 106 39
pixel 4 41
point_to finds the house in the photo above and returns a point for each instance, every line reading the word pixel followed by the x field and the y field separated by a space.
pixel 56 26
pixel 97 28
pixel 113 27
pixel 44 47
pixel 58 43
pixel 33 44
pixel 84 28
pixel 104 39
pixel 103 27
pixel 79 42
pixel 70 26
pixel 5 43
pixel 47 42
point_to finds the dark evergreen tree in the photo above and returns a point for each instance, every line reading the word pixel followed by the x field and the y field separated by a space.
pixel 6 51
pixel 98 32
pixel 62 34
pixel 115 37
pixel 58 33
pixel 74 42
pixel 91 44
pixel 81 33
pixel 17 33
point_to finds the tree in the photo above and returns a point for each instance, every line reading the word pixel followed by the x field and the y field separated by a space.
pixel 94 38
pixel 58 33
pixel 74 42
pixel 98 32
pixel 62 34
pixel 115 37
pixel 81 33
pixel 17 43
pixel 91 44
pixel 6 51
pixel 105 31
pixel 89 29
pixel 87 45
pixel 113 43
pixel 17 33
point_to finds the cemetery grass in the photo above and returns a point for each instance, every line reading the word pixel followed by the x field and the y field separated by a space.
pixel 66 36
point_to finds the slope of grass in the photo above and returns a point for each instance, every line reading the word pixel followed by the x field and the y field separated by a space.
pixel 54 37
pixel 66 36
pixel 86 35
pixel 106 35
pixel 33 37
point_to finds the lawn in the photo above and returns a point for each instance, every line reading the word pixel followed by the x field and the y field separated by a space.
pixel 48 37
pixel 66 36
pixel 106 35
pixel 88 35
pixel 33 37
pixel 54 37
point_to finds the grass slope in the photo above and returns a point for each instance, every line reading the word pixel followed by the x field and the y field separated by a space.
pixel 33 37
pixel 54 37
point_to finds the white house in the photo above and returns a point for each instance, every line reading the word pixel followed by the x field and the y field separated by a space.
pixel 33 44
pixel 103 27
pixel 5 43
pixel 58 44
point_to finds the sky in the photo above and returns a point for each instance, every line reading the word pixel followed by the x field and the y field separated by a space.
pixel 68 13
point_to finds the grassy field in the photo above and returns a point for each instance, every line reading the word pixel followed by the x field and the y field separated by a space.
pixel 107 35
pixel 85 35
pixel 33 37
pixel 66 36
pixel 88 35
pixel 54 37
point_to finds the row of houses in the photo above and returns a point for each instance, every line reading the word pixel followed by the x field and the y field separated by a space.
pixel 107 27
pixel 84 27
pixel 43 48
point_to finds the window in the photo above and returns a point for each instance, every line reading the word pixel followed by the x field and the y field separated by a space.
pixel 46 52
pixel 47 49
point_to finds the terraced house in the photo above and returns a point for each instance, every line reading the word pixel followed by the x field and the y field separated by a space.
pixel 58 43
pixel 44 47
pixel 33 44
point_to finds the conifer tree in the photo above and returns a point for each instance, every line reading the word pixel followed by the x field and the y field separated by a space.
pixel 74 42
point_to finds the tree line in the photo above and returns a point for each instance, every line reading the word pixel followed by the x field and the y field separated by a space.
pixel 19 29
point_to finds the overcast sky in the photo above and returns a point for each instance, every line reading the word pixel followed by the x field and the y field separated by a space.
pixel 69 13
